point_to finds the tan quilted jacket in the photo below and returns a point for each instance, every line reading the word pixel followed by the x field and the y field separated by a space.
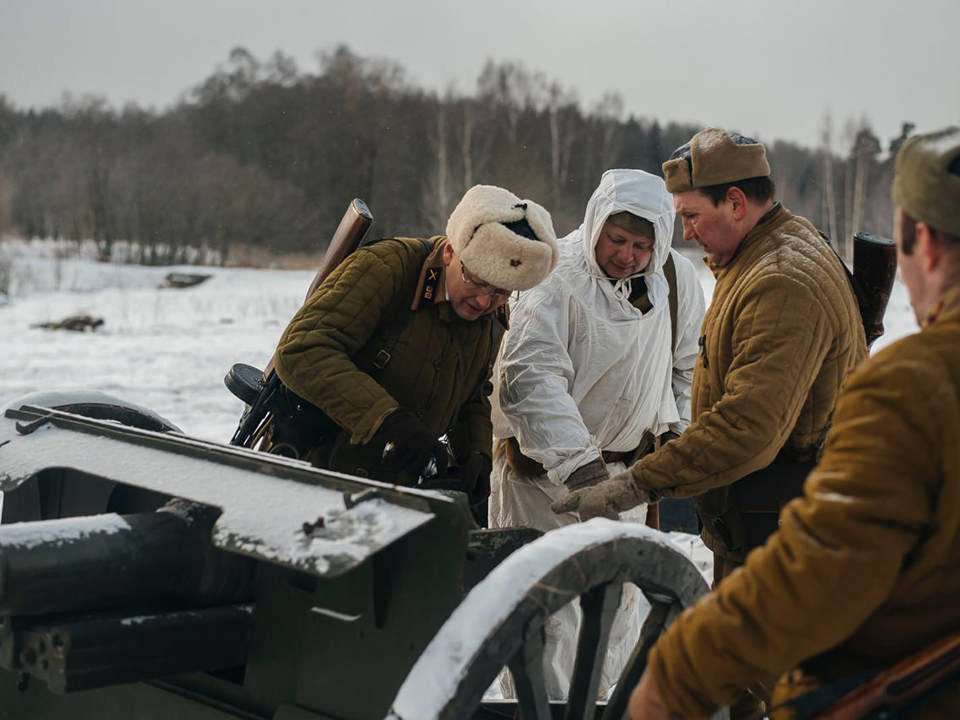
pixel 863 571
pixel 780 336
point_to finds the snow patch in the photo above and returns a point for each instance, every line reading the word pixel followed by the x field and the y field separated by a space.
pixel 299 522
pixel 61 532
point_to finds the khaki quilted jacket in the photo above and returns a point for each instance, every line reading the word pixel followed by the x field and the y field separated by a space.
pixel 439 369
pixel 781 335
pixel 863 571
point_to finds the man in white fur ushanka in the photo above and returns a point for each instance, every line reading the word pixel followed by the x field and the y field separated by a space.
pixel 394 348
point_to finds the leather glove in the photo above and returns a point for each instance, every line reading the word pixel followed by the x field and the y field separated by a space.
pixel 593 473
pixel 606 499
pixel 409 445
pixel 475 472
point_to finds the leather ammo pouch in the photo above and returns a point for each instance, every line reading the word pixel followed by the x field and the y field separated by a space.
pixel 297 425
pixel 749 510
pixel 518 462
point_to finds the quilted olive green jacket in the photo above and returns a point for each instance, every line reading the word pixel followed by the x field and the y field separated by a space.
pixel 864 569
pixel 439 369
pixel 780 336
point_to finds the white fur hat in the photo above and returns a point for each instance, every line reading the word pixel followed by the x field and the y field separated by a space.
pixel 478 231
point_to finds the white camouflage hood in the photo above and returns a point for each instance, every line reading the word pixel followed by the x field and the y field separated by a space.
pixel 636 192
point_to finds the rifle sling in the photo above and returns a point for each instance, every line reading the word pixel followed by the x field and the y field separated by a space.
pixel 397 325
pixel 670 270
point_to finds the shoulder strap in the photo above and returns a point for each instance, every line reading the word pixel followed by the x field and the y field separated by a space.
pixel 670 270
pixel 398 324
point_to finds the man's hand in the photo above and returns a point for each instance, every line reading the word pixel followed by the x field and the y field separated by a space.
pixel 606 499
pixel 645 703
pixel 412 445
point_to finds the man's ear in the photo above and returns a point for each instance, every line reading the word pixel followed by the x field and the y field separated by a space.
pixel 929 246
pixel 738 202
pixel 447 254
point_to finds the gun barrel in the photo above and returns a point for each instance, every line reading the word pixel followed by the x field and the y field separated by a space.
pixel 149 560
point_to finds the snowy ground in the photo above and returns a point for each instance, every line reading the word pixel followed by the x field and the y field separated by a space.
pixel 167 349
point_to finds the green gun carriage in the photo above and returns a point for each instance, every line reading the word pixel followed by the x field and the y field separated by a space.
pixel 148 574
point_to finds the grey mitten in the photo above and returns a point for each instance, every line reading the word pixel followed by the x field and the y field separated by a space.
pixel 607 499
pixel 593 473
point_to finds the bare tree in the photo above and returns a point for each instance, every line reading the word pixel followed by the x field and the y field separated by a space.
pixel 609 115
pixel 562 114
pixel 475 136
pixel 828 194
pixel 438 193
pixel 863 155
pixel 5 199
pixel 512 88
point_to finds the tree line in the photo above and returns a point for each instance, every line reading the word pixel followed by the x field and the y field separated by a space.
pixel 263 155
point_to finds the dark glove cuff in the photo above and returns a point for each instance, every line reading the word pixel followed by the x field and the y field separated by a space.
pixel 592 473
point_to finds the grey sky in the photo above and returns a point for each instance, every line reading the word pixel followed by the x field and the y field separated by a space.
pixel 770 68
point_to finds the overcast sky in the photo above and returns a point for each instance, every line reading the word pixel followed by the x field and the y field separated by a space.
pixel 767 68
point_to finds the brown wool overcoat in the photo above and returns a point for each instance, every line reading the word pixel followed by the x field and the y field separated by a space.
pixel 439 369
pixel 864 569
pixel 781 335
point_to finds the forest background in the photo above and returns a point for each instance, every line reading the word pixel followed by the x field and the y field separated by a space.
pixel 258 162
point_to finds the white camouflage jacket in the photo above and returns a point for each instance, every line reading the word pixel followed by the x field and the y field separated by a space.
pixel 582 370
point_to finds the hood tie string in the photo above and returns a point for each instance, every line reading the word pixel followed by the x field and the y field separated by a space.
pixel 621 289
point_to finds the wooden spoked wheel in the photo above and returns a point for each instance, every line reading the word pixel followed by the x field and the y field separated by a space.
pixel 501 622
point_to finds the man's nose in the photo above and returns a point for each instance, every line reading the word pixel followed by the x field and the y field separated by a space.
pixel 688 233
pixel 625 254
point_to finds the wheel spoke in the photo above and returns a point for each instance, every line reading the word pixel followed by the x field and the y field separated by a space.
pixel 599 607
pixel 526 667
pixel 502 621
pixel 660 615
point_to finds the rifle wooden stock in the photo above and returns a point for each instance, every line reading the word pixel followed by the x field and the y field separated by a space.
pixel 874 269
pixel 353 226
pixel 347 238
pixel 904 683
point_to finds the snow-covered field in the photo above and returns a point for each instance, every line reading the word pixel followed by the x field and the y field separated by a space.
pixel 167 349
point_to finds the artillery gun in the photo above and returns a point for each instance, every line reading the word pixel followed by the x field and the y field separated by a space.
pixel 147 574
